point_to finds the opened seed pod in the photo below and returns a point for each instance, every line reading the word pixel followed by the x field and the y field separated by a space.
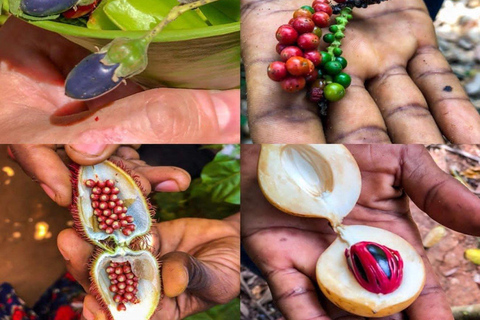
pixel 367 271
pixel 110 211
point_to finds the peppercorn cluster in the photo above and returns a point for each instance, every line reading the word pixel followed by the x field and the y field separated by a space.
pixel 302 65
pixel 110 211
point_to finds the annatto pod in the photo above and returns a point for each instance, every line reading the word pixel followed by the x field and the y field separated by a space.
pixel 367 271
pixel 110 211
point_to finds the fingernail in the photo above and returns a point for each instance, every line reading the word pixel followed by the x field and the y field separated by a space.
pixel 167 186
pixel 89 149
pixel 223 112
pixel 87 314
pixel 48 191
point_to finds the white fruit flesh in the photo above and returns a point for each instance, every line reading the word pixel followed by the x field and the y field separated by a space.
pixel 340 286
pixel 130 193
pixel 145 267
pixel 310 180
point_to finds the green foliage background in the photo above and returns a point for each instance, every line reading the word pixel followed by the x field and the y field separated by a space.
pixel 214 195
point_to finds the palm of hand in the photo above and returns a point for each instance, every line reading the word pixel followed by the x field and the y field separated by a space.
pixel 294 244
pixel 402 88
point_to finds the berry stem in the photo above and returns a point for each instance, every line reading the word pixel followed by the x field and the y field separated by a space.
pixel 175 12
pixel 356 4
pixel 341 23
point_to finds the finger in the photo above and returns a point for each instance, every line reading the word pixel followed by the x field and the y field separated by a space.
pixel 438 194
pixel 432 302
pixel 295 295
pixel 91 308
pixel 90 154
pixel 77 253
pixel 166 179
pixel 274 115
pixel 181 272
pixel 355 118
pixel 450 106
pixel 407 116
pixel 162 116
pixel 128 153
pixel 43 165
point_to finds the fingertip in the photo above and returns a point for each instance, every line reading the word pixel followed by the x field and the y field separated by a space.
pixel 89 154
pixel 91 308
pixel 174 276
pixel 227 109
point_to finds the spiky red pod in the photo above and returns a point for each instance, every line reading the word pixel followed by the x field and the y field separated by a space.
pixel 376 267
pixel 110 211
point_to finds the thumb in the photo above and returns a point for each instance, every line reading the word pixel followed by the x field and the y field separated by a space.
pixel 164 116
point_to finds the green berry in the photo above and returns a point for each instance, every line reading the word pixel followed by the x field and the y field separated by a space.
pixel 344 79
pixel 339 35
pixel 348 16
pixel 308 8
pixel 326 57
pixel 337 52
pixel 328 78
pixel 329 38
pixel 333 28
pixel 342 61
pixel 334 92
pixel 347 9
pixel 333 67
pixel 318 32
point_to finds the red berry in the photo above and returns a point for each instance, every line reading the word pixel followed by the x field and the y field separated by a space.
pixel 276 71
pixel 315 2
pixel 321 19
pixel 286 34
pixel 323 7
pixel 303 25
pixel 314 56
pixel 302 13
pixel 291 51
pixel 297 66
pixel 308 41
pixel 312 76
pixel 280 47
pixel 293 84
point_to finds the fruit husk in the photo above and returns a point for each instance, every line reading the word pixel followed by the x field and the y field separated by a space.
pixel 101 298
pixel 108 242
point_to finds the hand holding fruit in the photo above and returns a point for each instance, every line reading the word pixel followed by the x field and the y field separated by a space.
pixel 402 89
pixel 294 243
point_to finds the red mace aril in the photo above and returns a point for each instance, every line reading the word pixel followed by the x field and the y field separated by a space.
pixel 277 71
pixel 303 25
pixel 293 84
pixel 308 41
pixel 286 34
pixel 376 267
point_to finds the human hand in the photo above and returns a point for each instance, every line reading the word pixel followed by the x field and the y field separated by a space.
pixel 33 66
pixel 200 265
pixel 402 91
pixel 286 248
pixel 48 165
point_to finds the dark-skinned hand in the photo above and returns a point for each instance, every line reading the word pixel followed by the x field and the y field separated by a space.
pixel 286 248
pixel 33 66
pixel 403 90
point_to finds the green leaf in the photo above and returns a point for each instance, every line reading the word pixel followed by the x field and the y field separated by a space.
pixel 230 310
pixel 146 14
pixel 99 20
pixel 221 12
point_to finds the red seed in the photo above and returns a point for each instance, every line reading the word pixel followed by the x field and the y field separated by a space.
pixel 127 232
pixel 103 205
pixel 107 212
pixel 109 230
pixel 94 196
pixel 95 204
pixel 124 210
pixel 118 270
pixel 111 204
pixel 110 183
pixel 130 219
pixel 102 226
pixel 120 202
pixel 114 216
pixel 115 190
pixel 121 285
pixel 129 295
pixel 114 281
pixel 121 292
pixel 127 268
pixel 130 288
pixel 113 197
pixel 123 223
pixel 130 276
pixel 104 197
pixel 121 307
pixel 101 184
pixel 109 270
pixel 113 288
pixel 122 216
pixel 107 190
pixel 117 298
pixel 129 282
pixel 116 225
pixel 97 190
pixel 114 264
pixel 97 212
pixel 121 278
pixel 90 183
pixel 101 219
pixel 118 209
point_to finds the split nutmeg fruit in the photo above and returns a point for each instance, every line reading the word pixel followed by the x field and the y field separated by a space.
pixel 367 271
pixel 110 212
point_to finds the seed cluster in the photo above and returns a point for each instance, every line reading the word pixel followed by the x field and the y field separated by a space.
pixel 302 62
pixel 109 209
pixel 123 284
